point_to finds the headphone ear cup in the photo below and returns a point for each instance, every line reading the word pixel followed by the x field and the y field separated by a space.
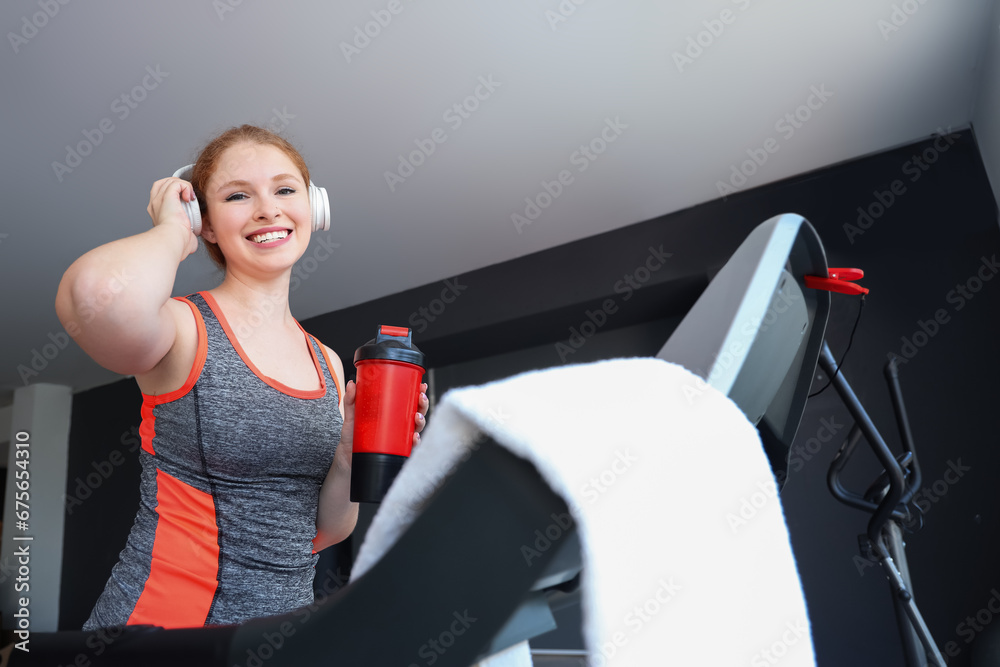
pixel 190 207
pixel 194 215
pixel 319 204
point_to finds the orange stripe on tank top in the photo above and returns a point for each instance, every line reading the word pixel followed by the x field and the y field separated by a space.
pixel 185 562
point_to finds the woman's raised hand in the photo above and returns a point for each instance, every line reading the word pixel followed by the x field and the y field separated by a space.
pixel 165 206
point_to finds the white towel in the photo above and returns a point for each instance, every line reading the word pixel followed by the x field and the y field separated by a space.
pixel 686 555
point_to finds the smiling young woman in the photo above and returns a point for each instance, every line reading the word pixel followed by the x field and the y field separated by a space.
pixel 246 420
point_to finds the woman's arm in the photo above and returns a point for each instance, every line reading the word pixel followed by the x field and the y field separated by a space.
pixel 115 300
pixel 337 516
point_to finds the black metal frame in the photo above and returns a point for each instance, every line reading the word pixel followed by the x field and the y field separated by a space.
pixel 886 500
pixel 461 559
pixel 448 561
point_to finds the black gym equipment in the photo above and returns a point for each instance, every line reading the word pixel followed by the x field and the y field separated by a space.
pixel 756 334
pixel 444 589
pixel 887 498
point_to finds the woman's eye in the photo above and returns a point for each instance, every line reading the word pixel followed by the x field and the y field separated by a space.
pixel 287 191
pixel 236 196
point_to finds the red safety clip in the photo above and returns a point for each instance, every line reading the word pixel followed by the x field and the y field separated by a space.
pixel 838 280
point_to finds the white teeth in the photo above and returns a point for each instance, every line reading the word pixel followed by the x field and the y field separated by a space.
pixel 269 236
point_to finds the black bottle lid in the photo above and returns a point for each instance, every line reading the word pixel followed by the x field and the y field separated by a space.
pixel 392 343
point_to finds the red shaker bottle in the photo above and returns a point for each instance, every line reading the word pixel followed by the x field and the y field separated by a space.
pixel 389 371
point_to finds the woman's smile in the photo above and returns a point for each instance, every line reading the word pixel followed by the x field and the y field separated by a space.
pixel 270 237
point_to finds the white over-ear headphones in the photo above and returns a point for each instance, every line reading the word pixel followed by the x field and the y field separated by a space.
pixel 319 204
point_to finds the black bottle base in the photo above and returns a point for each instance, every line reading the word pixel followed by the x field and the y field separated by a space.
pixel 372 475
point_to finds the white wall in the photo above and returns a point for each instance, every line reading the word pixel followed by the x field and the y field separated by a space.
pixel 986 114
pixel 31 552
pixel 5 433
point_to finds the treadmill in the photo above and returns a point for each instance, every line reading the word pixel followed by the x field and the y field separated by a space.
pixel 448 597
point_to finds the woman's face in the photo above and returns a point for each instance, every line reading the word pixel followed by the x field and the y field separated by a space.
pixel 258 209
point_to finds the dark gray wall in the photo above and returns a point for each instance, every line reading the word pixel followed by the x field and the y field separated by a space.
pixel 509 317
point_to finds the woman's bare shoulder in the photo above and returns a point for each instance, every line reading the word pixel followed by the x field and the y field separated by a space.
pixel 175 366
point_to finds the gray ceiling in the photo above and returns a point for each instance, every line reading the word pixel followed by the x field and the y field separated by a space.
pixel 886 77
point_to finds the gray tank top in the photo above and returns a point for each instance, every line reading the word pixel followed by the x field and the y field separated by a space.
pixel 232 464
